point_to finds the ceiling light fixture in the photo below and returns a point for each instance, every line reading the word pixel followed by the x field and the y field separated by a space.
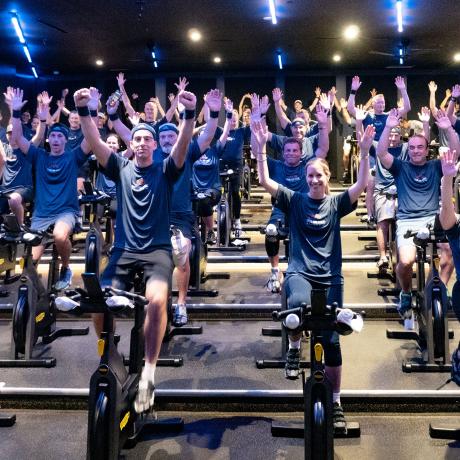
pixel 34 72
pixel 194 35
pixel 336 58
pixel 22 40
pixel 217 59
pixel 351 32
pixel 271 5
pixel 155 64
pixel 99 62
pixel 154 57
pixel 27 53
pixel 280 61
pixel 399 15
pixel 457 57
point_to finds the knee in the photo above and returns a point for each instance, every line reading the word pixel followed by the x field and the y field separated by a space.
pixel 15 200
pixel 272 244
pixel 61 236
pixel 157 302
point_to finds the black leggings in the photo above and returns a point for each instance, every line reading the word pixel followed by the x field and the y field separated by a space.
pixel 234 190
pixel 297 291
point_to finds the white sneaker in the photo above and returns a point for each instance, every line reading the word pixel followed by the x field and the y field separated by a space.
pixel 145 396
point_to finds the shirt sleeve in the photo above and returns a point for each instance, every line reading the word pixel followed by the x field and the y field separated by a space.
pixel 80 156
pixel 112 169
pixel 283 198
pixel 395 167
pixel 344 204
pixel 33 154
pixel 193 151
pixel 170 169
pixel 454 232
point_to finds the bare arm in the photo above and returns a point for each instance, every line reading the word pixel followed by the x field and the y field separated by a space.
pixel 365 143
pixel 443 122
pixel 384 142
pixel 213 100
pixel 16 105
pixel 100 149
pixel 323 136
pixel 401 85
pixel 124 95
pixel 424 117
pixel 315 100
pixel 451 107
pixel 432 88
pixel 228 122
pixel 351 104
pixel 280 113
pixel 446 98
pixel 2 158
pixel 447 214
pixel 240 107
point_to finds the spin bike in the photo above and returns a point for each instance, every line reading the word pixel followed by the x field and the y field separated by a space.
pixel 34 314
pixel 317 430
pixel 113 423
pixel 430 310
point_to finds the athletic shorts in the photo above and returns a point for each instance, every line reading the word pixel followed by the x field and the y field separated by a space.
pixel 43 223
pixel 384 208
pixel 27 196
pixel 185 222
pixel 403 225
pixel 123 265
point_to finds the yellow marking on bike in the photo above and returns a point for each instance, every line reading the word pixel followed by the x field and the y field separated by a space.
pixel 100 347
pixel 124 420
pixel 40 317
pixel 436 262
pixel 318 352
pixel 2 261
pixel 22 263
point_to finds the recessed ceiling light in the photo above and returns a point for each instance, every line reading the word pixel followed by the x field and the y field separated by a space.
pixel 336 58
pixel 194 35
pixel 55 72
pixel 457 57
pixel 217 59
pixel 99 62
pixel 351 32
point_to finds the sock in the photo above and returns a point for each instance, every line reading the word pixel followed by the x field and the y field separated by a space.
pixel 294 344
pixel 238 223
pixel 275 269
pixel 336 398
pixel 148 373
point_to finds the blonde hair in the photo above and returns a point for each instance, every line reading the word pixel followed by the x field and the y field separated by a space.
pixel 325 167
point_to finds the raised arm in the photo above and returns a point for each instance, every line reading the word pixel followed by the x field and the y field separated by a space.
pixel 213 100
pixel 455 95
pixel 124 95
pixel 443 103
pixel 2 158
pixel 443 122
pixel 447 216
pixel 323 132
pixel 344 112
pixel 424 117
pixel 228 105
pixel 15 97
pixel 401 85
pixel 259 138
pixel 43 112
pixel 120 128
pixel 383 155
pixel 240 107
pixel 351 104
pixel 179 151
pixel 364 142
pixel 183 83
pixel 373 92
pixel 160 109
pixel 280 113
pixel 315 100
pixel 100 149
pixel 65 111
pixel 432 87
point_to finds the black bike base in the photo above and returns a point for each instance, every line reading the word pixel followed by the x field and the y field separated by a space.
pixel 382 276
pixel 199 293
pixel 409 335
pixel 34 362
pixel 409 367
pixel 149 426
pixel 227 248
pixel 7 420
pixel 444 432
pixel 184 330
pixel 388 292
pixel 296 430
pixel 271 331
pixel 162 362
pixel 278 364
pixel 64 332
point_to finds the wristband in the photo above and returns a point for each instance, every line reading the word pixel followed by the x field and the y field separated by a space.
pixel 43 121
pixel 229 115
pixel 16 114
pixel 113 116
pixel 189 114
pixel 353 91
pixel 181 116
pixel 214 114
pixel 83 111
pixel 453 99
pixel 93 113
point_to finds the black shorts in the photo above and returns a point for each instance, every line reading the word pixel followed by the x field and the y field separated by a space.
pixel 27 196
pixel 123 265
pixel 205 207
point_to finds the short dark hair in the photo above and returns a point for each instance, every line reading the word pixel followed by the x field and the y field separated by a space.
pixel 292 140
pixel 421 136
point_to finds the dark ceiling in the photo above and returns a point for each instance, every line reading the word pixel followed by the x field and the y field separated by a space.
pixel 68 36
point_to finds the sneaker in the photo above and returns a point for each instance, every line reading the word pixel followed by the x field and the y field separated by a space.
pixel 239 234
pixel 145 396
pixel 292 367
pixel 383 264
pixel 65 278
pixel 338 419
pixel 180 315
pixel 405 305
pixel 275 281
pixel 211 237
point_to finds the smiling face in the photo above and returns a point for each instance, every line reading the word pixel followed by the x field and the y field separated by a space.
pixel 418 150
pixel 57 142
pixel 143 144
pixel 74 121
pixel 298 130
pixel 149 111
pixel 112 142
pixel 378 104
pixel 317 176
pixel 292 153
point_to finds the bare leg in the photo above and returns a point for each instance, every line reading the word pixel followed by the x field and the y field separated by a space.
pixel 15 203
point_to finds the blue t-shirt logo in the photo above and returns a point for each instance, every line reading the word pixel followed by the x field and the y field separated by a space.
pixel 420 179
pixel 315 220
pixel 53 168
pixel 140 185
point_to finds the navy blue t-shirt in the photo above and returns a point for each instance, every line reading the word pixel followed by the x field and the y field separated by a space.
pixel 309 146
pixel 456 126
pixel 383 177
pixel 17 171
pixel 55 180
pixel 315 247
pixel 205 174
pixel 418 188
pixel 106 185
pixel 378 121
pixel 75 138
pixel 144 203
pixel 292 177
pixel 232 154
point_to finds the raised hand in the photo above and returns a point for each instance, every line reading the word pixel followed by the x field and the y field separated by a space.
pixel 317 92
pixel 8 94
pixel 264 104
pixel 43 110
pixel 81 97
pixel 343 103
pixel 321 114
pixel 333 91
pixel 373 92
pixel 213 99
pixel 448 92
pixel 16 101
pixel 183 83
pixel 171 97
pixel 135 119
pixel 121 80
pixel 355 83
pixel 95 96
pixel 424 115
pixel 442 120
pixel 449 163
pixel 228 105
pixel 134 96
pixel 187 99
pixel 392 119
pixel 324 101
pixel 365 140
pixel 45 98
pixel 400 83
pixel 360 113
pixel 112 105
pixel 260 131
pixel 255 103
pixel 277 95
pixel 432 86
pixel 456 91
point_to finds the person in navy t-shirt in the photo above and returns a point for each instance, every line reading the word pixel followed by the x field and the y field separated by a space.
pixel 315 260
pixel 56 202
pixel 142 237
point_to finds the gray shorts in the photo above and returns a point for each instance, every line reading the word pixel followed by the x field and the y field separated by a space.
pixel 402 225
pixel 43 223
pixel 384 208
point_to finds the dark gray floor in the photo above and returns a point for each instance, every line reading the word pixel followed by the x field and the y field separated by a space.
pixel 55 435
